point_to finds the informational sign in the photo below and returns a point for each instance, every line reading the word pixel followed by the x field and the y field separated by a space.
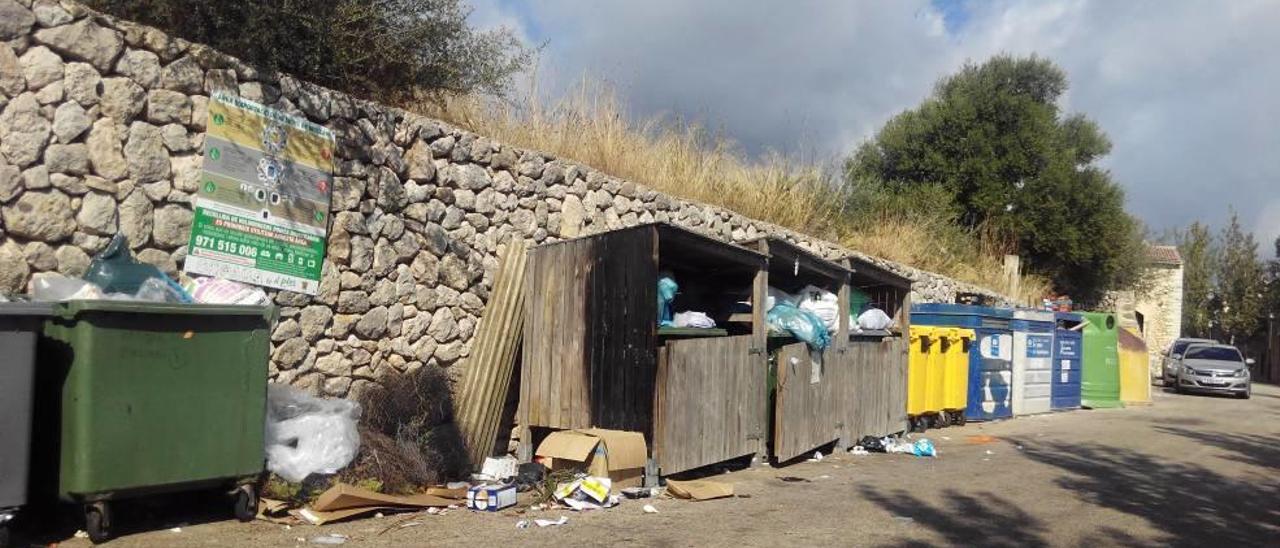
pixel 262 209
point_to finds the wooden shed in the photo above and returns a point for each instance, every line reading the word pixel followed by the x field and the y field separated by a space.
pixel 594 355
pixel 873 389
pixel 806 410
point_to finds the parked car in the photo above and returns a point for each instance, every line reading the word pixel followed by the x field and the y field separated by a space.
pixel 1169 361
pixel 1216 368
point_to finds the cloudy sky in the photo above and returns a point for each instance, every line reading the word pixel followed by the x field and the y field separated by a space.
pixel 1187 90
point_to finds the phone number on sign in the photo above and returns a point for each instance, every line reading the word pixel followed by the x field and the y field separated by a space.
pixel 243 250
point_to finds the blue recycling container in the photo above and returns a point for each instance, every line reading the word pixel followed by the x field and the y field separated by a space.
pixel 990 357
pixel 1068 345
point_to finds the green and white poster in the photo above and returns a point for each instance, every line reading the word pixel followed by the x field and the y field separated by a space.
pixel 262 210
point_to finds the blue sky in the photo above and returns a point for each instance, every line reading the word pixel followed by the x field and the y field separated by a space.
pixel 1185 89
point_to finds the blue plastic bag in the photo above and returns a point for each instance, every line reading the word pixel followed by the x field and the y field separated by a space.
pixel 924 448
pixel 801 324
pixel 666 294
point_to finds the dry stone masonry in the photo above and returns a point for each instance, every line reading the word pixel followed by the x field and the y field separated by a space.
pixel 101 131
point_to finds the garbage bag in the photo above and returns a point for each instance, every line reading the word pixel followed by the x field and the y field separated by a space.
pixel 871 444
pixel 924 448
pixel 308 435
pixel 115 271
pixel 804 325
pixel 667 288
pixel 53 287
pixel 822 303
pixel 874 319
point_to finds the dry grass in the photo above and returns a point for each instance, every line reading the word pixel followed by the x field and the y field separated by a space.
pixel 589 126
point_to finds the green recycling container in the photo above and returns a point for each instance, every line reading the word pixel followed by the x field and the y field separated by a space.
pixel 1100 368
pixel 154 397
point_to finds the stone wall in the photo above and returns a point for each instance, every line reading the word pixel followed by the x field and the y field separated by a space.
pixel 101 131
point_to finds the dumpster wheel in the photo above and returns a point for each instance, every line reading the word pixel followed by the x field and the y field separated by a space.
pixel 97 521
pixel 246 503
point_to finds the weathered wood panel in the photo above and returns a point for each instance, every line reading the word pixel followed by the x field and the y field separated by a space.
pixel 873 387
pixel 710 404
pixel 806 413
pixel 484 388
pixel 553 363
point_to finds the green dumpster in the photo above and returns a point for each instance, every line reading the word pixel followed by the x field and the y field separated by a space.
pixel 1100 369
pixel 154 398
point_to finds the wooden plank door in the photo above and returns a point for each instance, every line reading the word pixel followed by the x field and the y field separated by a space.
pixel 806 410
pixel 710 402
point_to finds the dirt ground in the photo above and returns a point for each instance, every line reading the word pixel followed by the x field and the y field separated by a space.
pixel 1188 470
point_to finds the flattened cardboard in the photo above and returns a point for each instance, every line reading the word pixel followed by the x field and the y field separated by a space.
pixel 615 454
pixel 344 501
pixel 699 489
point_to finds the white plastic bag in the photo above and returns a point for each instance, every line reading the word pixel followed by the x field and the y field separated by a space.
pixel 307 435
pixel 823 303
pixel 874 319
pixel 695 319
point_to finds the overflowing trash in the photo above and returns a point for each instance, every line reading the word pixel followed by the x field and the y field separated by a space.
pixel 891 444
pixel 873 319
pixel 308 435
pixel 218 291
pixel 788 319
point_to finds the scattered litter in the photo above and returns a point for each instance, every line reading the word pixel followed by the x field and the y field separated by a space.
pixel 549 522
pixel 699 489
pixel 872 444
pixel 859 450
pixel 433 510
pixel 980 439
pixel 637 492
pixel 331 538
pixel 586 493
pixel 946 438
pixel 491 498
pixel 175 530
pixel 522 524
pixel 824 476
pixel 990 452
pixel 306 434
pixel 616 455
pixel 81 534
pixel 649 509
pixel 788 479
pixel 497 469
pixel 1019 447
pixel 817 457
pixel 905 519
pixel 530 475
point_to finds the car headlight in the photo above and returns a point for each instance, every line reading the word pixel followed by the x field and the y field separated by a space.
pixel 1191 370
pixel 1242 372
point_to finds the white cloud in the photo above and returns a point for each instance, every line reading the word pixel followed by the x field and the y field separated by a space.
pixel 1184 89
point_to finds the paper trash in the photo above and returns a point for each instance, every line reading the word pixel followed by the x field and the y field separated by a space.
pixel 491 498
pixel 343 501
pixel 586 493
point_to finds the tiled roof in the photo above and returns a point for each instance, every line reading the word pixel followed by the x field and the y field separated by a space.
pixel 1163 254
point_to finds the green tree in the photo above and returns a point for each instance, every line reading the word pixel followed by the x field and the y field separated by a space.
pixel 1199 263
pixel 1241 283
pixel 380 49
pixel 994 136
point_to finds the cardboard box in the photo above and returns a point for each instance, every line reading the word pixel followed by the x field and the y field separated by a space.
pixel 614 454
pixel 491 498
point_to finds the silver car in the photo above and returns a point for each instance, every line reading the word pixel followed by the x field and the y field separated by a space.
pixel 1216 368
pixel 1169 362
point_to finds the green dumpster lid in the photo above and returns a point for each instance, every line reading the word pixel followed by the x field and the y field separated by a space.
pixel 69 309
pixel 26 308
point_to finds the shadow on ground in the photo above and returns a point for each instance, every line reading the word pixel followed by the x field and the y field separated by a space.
pixel 1254 449
pixel 1190 503
pixel 966 519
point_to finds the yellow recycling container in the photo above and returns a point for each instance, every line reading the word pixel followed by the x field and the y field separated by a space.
pixel 922 339
pixel 955 387
pixel 1135 375
pixel 934 397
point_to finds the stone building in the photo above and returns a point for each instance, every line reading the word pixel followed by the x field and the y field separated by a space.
pixel 1159 307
